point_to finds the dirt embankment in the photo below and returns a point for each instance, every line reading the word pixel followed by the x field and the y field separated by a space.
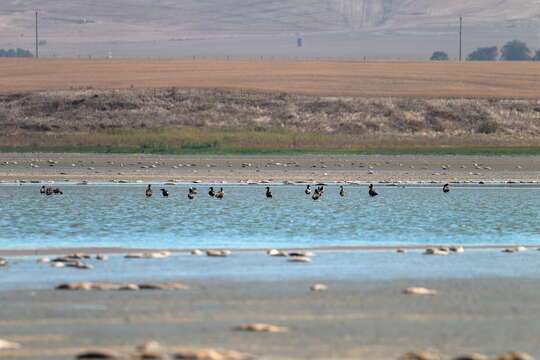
pixel 91 110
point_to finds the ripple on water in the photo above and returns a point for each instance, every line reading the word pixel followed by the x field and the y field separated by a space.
pixel 122 216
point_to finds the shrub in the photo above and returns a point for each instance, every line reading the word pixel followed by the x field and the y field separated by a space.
pixel 16 53
pixel 439 56
pixel 487 127
pixel 515 51
pixel 484 54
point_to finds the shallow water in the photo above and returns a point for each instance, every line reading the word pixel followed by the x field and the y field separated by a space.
pixel 25 273
pixel 121 216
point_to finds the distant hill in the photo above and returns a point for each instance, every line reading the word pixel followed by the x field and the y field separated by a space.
pixel 96 26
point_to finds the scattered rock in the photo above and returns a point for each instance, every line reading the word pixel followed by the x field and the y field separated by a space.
pixel 163 286
pixel 417 356
pixel 218 253
pixel 58 264
pixel 3 262
pixel 302 259
pixel 514 356
pixel 133 287
pixel 98 354
pixel 102 257
pixel 157 255
pixel 473 356
pixel 79 265
pixel 318 287
pixel 43 260
pixel 520 248
pixel 401 250
pixel 509 250
pixel 211 354
pixel 457 249
pixel 419 291
pixel 261 328
pixel 196 252
pixel 302 253
pixel 433 251
pixel 78 256
pixel 275 252
pixel 9 345
pixel 129 287
pixel 75 286
pixel 150 350
pixel 134 256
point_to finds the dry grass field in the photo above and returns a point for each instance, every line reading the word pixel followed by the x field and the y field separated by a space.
pixel 330 78
pixel 260 105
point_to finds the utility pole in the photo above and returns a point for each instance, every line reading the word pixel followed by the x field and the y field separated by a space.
pixel 460 35
pixel 37 36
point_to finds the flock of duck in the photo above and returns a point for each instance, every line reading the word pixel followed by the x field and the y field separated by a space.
pixel 317 193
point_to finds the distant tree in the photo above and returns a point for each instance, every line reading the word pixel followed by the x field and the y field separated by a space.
pixel 15 53
pixel 536 56
pixel 515 50
pixel 439 56
pixel 484 54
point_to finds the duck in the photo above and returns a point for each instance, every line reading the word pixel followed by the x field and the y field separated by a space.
pixel 149 191
pixel 48 191
pixel 341 191
pixel 191 196
pixel 42 190
pixel 193 190
pixel 164 192
pixel 316 195
pixel 446 188
pixel 268 192
pixel 220 194
pixel 57 191
pixel 308 190
pixel 372 191
pixel 211 191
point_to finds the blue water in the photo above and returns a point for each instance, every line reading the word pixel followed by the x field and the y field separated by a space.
pixel 121 216
pixel 25 273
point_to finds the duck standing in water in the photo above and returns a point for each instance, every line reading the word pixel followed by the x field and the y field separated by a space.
pixel 190 196
pixel 316 195
pixel 341 191
pixel 211 191
pixel 48 191
pixel 372 191
pixel 193 190
pixel 57 191
pixel 164 192
pixel 308 190
pixel 149 191
pixel 446 188
pixel 220 194
pixel 42 190
pixel 268 192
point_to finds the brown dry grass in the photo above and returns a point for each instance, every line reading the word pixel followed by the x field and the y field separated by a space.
pixel 403 79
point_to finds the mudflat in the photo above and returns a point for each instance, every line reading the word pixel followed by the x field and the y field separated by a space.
pixel 363 314
pixel 62 167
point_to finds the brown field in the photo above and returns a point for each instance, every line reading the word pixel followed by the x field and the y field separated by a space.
pixel 340 78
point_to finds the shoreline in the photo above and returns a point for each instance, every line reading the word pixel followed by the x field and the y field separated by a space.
pixel 121 251
pixel 268 169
